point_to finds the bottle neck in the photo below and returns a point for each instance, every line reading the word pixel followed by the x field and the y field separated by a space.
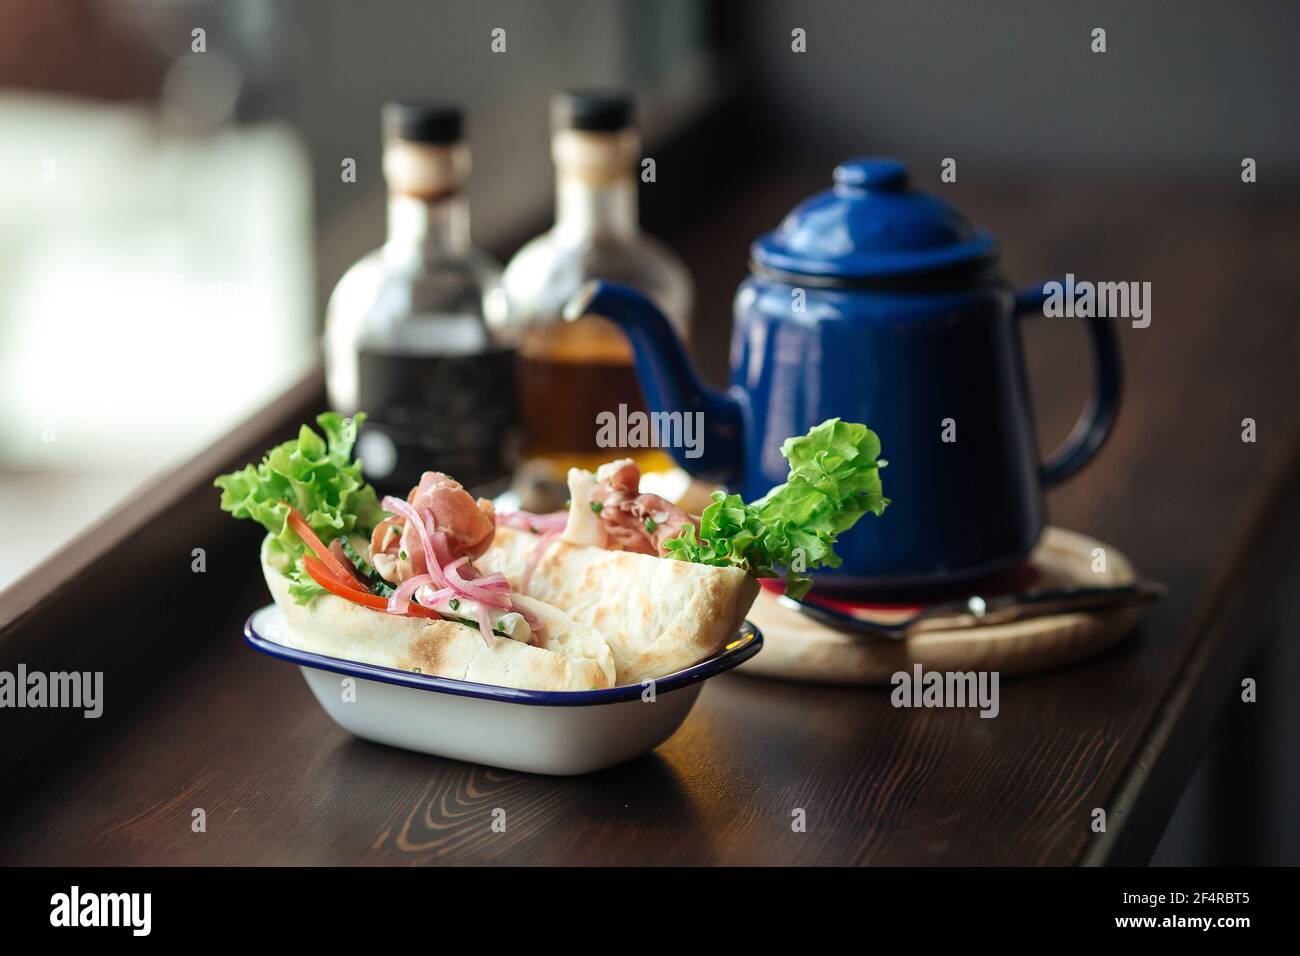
pixel 590 210
pixel 428 228
pixel 595 188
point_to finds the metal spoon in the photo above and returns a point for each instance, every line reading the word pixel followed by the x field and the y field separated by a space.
pixel 978 611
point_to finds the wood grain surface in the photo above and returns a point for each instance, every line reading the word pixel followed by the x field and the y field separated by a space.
pixel 226 730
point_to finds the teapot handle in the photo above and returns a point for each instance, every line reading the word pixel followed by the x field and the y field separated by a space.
pixel 1098 416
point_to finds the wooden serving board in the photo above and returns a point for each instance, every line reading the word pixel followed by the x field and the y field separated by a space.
pixel 798 648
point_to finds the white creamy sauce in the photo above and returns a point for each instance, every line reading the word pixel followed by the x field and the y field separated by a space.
pixel 510 622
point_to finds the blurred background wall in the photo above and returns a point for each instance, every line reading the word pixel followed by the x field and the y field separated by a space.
pixel 1182 89
pixel 162 206
pixel 173 214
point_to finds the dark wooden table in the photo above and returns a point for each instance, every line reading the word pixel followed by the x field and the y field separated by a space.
pixel 194 720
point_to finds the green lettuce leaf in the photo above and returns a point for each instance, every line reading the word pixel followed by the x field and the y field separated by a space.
pixel 318 476
pixel 834 480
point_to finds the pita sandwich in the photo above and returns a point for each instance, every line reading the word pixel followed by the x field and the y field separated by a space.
pixel 668 589
pixel 571 656
pixel 624 587
pixel 657 615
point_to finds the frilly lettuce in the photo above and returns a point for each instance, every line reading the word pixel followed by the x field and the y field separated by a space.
pixel 834 480
pixel 318 477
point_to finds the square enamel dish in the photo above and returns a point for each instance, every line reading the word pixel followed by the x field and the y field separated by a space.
pixel 551 732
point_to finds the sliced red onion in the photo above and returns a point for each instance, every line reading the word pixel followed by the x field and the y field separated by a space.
pixel 527 521
pixel 399 602
pixel 441 543
pixel 399 507
pixel 475 590
pixel 498 598
pixel 459 576
pixel 485 626
pixel 535 558
pixel 434 597
pixel 496 581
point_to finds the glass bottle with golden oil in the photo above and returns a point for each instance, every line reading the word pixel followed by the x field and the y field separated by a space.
pixel 571 372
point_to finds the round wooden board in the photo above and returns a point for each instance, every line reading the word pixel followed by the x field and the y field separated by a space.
pixel 795 647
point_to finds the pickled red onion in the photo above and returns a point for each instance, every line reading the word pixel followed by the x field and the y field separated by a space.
pixel 485 626
pixel 441 543
pixel 433 597
pixel 400 508
pixel 399 602
pixel 485 592
pixel 535 558
pixel 459 576
pixel 527 521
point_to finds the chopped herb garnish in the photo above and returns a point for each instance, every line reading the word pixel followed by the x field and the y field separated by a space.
pixel 596 506
pixel 650 525
pixel 402 554
pixel 454 604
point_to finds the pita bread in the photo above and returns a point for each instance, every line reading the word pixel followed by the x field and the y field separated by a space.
pixel 659 615
pixel 572 656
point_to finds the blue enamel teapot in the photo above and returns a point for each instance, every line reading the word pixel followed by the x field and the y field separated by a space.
pixel 880 304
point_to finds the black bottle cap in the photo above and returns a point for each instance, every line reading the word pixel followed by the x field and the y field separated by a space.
pixel 418 122
pixel 593 110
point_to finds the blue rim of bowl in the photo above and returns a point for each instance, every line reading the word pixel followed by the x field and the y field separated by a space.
pixel 748 642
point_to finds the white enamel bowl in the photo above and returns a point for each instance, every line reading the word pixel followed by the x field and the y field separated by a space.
pixel 551 732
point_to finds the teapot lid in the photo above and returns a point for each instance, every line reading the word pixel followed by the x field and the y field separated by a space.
pixel 870 225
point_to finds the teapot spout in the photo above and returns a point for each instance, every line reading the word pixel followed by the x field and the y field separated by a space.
pixel 703 429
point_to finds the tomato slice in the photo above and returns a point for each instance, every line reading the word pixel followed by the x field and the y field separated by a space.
pixel 331 582
pixel 322 576
pixel 336 549
pixel 301 528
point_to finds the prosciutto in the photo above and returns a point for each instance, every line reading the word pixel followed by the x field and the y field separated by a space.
pixel 427 548
pixel 465 526
pixel 633 521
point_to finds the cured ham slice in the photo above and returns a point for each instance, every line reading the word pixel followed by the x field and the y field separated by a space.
pixel 465 525
pixel 632 521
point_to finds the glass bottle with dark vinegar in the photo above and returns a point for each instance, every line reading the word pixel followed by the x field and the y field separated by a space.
pixel 415 332
pixel 572 371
